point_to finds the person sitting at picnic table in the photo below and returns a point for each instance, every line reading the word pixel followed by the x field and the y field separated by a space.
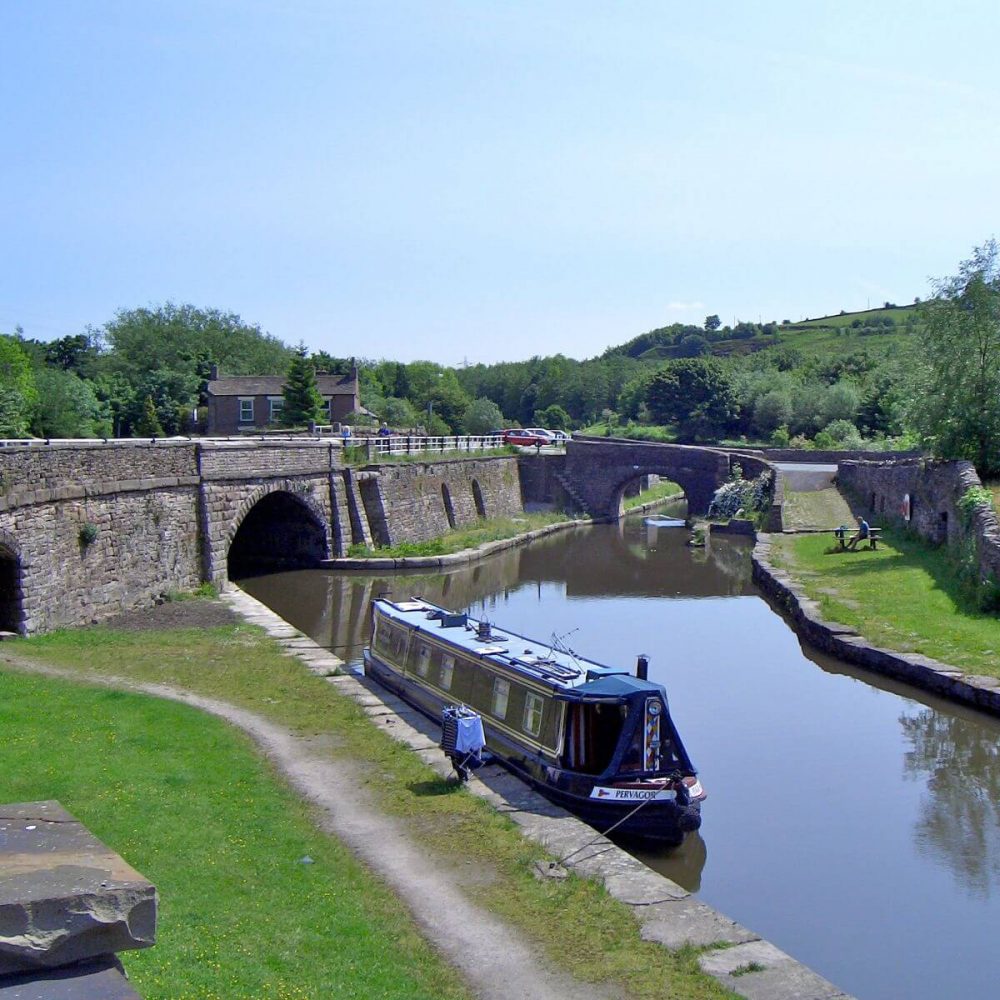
pixel 860 534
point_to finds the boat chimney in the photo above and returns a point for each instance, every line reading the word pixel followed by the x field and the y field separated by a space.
pixel 642 667
pixel 483 630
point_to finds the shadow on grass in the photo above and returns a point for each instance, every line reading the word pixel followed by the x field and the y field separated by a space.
pixel 437 786
pixel 909 553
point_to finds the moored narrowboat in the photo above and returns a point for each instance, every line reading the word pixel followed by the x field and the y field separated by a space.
pixel 596 740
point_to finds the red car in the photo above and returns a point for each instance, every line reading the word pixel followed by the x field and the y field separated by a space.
pixel 522 437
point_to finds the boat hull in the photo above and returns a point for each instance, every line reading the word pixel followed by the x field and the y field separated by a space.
pixel 661 820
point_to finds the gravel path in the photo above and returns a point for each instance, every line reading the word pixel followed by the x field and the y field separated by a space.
pixel 497 961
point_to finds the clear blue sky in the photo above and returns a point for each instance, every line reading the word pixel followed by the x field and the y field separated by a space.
pixel 452 180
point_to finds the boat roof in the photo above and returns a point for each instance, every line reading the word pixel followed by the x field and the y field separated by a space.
pixel 549 662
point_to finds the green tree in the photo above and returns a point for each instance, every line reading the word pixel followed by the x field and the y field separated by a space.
pixel 68 407
pixel 148 424
pixel 303 402
pixel 712 323
pixel 771 411
pixel 17 387
pixel 398 413
pixel 482 416
pixel 954 396
pixel 554 417
pixel 697 395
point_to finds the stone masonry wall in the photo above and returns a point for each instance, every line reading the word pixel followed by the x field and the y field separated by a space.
pixel 25 469
pixel 146 544
pixel 412 497
pixel 934 489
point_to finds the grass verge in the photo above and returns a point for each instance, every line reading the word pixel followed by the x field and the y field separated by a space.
pixel 577 924
pixel 186 800
pixel 661 491
pixel 904 596
pixel 491 530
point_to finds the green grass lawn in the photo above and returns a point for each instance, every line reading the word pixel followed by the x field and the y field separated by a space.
pixel 491 530
pixel 660 491
pixel 575 921
pixel 904 596
pixel 188 802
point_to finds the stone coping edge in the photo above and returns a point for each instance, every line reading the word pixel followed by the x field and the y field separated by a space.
pixel 667 914
pixel 912 668
pixel 461 558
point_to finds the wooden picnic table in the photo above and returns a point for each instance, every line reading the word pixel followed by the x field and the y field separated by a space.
pixel 844 533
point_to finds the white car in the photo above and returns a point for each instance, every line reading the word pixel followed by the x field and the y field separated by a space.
pixel 540 432
pixel 561 437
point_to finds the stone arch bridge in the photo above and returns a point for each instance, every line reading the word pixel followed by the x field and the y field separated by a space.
pixel 597 471
pixel 90 529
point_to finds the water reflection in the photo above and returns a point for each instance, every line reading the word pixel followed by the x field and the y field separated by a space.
pixel 960 819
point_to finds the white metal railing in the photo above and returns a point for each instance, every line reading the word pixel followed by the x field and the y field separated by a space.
pixel 400 444
pixel 395 444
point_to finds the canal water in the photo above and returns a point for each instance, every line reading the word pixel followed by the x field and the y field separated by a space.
pixel 851 821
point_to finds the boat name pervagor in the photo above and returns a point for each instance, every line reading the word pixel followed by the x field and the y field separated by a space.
pixel 630 794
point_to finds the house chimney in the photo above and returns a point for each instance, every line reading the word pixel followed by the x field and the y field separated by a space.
pixel 213 372
pixel 354 370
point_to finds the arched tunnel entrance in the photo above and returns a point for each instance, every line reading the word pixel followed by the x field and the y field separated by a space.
pixel 647 487
pixel 280 532
pixel 11 597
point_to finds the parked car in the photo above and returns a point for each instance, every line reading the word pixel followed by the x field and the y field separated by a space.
pixel 547 436
pixel 561 437
pixel 524 437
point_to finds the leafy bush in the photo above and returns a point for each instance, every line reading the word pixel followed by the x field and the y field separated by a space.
pixel 973 497
pixel 751 496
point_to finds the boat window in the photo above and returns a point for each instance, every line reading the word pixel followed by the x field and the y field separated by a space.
pixel 533 705
pixel 398 641
pixel 501 692
pixel 423 659
pixel 447 671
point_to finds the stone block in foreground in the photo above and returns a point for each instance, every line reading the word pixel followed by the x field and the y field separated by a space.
pixel 95 979
pixel 64 896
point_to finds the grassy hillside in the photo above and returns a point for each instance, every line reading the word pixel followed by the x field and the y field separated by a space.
pixel 879 331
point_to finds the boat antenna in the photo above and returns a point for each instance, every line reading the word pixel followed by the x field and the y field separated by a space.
pixel 559 645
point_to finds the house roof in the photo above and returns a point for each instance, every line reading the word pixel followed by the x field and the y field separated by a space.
pixel 273 385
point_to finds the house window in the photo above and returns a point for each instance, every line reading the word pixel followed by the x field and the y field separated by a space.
pixel 277 404
pixel 246 410
pixel 324 410
pixel 533 705
pixel 447 671
pixel 501 692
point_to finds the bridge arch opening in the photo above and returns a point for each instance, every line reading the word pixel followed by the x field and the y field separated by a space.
pixel 11 593
pixel 657 486
pixel 279 532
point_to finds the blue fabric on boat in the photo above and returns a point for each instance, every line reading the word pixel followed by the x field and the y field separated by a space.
pixel 470 738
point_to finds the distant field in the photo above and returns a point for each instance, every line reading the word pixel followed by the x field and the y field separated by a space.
pixel 900 314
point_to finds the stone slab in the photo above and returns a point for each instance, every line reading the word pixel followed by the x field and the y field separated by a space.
pixel 97 979
pixel 690 922
pixel 64 896
pixel 760 971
